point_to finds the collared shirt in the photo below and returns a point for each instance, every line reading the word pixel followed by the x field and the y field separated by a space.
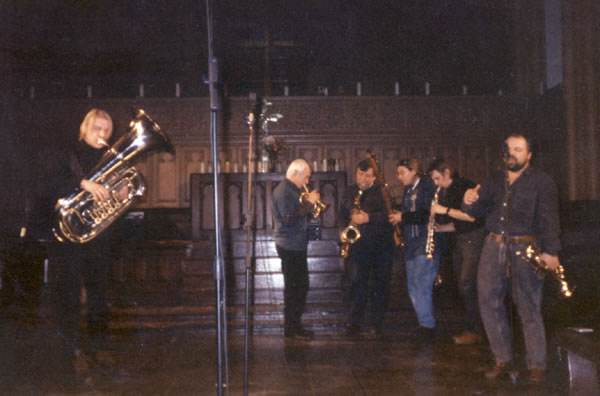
pixel 290 217
pixel 529 208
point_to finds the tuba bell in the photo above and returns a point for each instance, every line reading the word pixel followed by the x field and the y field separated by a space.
pixel 79 217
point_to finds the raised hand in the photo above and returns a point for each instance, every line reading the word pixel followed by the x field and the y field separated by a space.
pixel 472 195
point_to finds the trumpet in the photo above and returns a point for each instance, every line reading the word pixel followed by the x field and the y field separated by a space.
pixel 532 256
pixel 351 233
pixel 319 206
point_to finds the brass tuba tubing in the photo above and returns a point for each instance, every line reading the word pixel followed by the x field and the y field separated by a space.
pixel 80 218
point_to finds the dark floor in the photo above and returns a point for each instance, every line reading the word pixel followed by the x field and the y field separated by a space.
pixel 182 361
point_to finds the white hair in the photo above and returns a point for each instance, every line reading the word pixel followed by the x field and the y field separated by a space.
pixel 297 166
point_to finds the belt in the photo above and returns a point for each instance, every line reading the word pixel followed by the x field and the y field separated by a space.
pixel 513 239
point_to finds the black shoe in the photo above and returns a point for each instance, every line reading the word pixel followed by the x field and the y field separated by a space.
pixel 299 334
pixel 353 331
pixel 425 334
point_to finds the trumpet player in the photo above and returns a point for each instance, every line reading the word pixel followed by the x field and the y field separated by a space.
pixel 520 205
pixel 76 264
pixel 290 218
pixel 415 218
pixel 364 207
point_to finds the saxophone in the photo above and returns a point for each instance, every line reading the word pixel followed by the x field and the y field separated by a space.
pixel 351 233
pixel 430 245
pixel 532 256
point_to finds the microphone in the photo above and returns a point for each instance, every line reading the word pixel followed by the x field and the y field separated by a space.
pixel 275 117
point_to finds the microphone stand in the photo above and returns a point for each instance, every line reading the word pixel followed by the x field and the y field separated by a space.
pixel 219 268
pixel 249 220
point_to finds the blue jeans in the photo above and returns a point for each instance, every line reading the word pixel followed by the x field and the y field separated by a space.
pixel 420 275
pixel 501 272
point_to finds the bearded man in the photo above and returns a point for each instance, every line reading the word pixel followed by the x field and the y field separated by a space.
pixel 520 205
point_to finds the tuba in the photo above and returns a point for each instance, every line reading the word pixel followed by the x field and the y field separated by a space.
pixel 80 218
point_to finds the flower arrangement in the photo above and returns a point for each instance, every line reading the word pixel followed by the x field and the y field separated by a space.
pixel 275 147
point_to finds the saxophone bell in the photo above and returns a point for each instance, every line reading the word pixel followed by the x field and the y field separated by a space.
pixel 351 233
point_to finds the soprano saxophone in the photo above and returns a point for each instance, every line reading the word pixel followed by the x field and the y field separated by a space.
pixel 430 245
pixel 532 256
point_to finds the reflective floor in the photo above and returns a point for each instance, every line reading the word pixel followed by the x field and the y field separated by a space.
pixel 183 361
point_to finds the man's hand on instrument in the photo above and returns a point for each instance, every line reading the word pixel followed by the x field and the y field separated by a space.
pixel 395 217
pixel 361 217
pixel 98 191
pixel 551 262
pixel 313 196
pixel 472 195
pixel 436 208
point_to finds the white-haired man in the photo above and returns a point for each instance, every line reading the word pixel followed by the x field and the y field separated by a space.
pixel 291 240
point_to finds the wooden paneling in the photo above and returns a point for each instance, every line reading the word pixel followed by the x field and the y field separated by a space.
pixel 315 128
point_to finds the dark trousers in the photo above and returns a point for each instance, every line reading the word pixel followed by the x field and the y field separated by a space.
pixel 294 266
pixel 467 251
pixel 76 266
pixel 367 259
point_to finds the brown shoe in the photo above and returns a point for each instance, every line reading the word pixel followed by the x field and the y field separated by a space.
pixel 467 338
pixel 498 370
pixel 536 375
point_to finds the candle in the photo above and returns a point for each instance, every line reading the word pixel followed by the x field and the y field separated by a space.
pixel 141 90
pixel 227 166
pixel 396 88
pixel 202 167
pixel 235 167
pixel 324 166
pixel 177 90
pixel 325 91
pixel 89 91
pixel 286 90
pixel 464 90
pixel 358 89
pixel 426 87
pixel 315 167
pixel 244 168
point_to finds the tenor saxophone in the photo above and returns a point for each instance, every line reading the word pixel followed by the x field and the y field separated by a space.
pixel 430 245
pixel 351 233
